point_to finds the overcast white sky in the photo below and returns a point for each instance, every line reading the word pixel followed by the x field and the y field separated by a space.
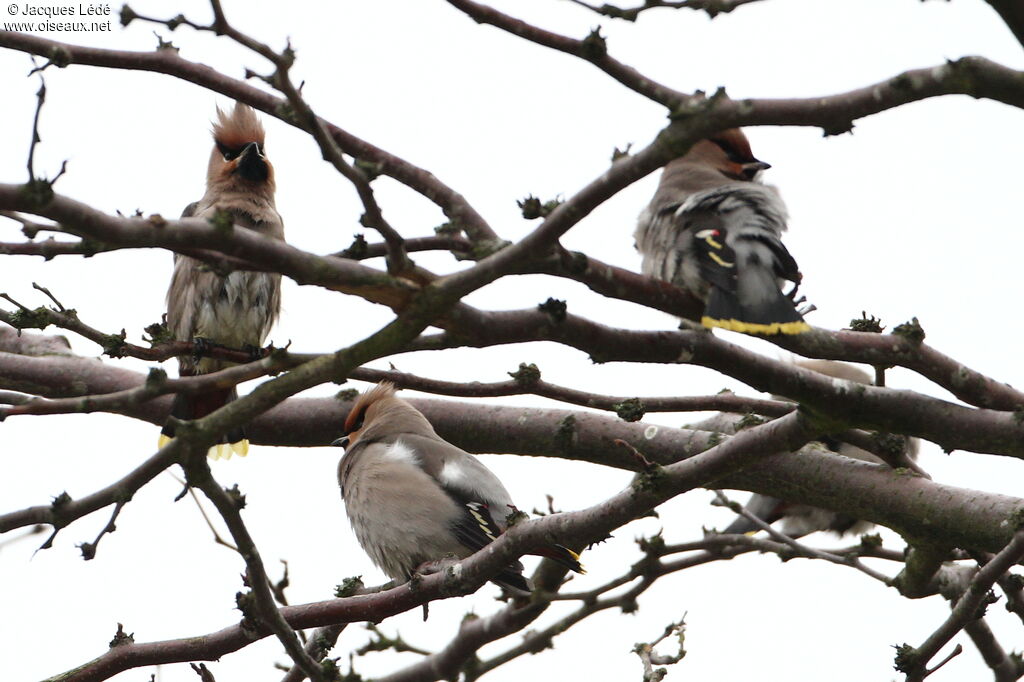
pixel 915 214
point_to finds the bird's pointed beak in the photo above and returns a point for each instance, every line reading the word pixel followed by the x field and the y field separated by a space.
pixel 341 442
pixel 251 163
pixel 752 168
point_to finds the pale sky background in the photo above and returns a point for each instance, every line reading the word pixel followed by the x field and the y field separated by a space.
pixel 915 214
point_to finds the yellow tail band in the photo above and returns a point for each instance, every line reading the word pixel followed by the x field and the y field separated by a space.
pixel 797 327
pixel 218 451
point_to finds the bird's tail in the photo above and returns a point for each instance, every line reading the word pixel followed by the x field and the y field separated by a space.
pixel 563 556
pixel 197 406
pixel 513 580
pixel 774 315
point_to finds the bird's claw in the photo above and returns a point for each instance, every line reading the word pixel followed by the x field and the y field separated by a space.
pixel 200 346
pixel 435 566
pixel 255 352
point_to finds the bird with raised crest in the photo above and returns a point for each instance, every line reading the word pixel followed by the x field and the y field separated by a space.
pixel 236 310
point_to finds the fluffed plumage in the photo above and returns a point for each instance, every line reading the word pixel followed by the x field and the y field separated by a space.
pixel 413 498
pixel 236 311
pixel 715 230
pixel 801 519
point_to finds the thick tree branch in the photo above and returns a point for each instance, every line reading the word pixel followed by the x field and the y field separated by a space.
pixel 190 233
pixel 876 408
pixel 915 506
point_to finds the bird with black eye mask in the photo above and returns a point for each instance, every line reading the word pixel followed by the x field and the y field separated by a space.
pixel 715 230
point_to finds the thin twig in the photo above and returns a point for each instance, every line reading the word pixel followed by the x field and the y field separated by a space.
pixel 199 504
pixel 650 658
pixel 88 549
pixel 527 382
pixel 805 550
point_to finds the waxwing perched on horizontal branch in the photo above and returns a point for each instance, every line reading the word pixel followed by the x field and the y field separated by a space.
pixel 713 229
pixel 801 519
pixel 413 498
pixel 236 311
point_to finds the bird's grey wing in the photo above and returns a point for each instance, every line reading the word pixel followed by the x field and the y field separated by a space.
pixel 483 501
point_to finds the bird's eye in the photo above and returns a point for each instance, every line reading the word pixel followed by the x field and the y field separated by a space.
pixel 357 424
pixel 730 153
pixel 228 153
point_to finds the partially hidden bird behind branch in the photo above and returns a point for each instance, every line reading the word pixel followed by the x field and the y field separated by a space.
pixel 798 520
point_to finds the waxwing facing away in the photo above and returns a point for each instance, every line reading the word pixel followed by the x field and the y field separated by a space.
pixel 713 229
pixel 801 519
pixel 236 311
pixel 413 498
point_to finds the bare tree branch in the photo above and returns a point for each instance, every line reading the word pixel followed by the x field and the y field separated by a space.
pixel 954 516
pixel 527 381
pixel 712 7
pixel 967 609
pixel 591 49
pixel 650 658
pixel 168 62
pixel 260 611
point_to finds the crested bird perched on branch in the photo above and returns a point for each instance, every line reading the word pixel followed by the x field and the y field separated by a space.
pixel 714 229
pixel 236 310
pixel 414 499
pixel 801 519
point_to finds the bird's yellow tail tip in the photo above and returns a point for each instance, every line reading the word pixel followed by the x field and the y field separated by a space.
pixel 225 450
pixel 575 557
pixel 218 451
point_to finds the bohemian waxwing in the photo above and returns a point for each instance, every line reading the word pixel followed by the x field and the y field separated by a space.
pixel 236 311
pixel 413 498
pixel 714 229
pixel 801 519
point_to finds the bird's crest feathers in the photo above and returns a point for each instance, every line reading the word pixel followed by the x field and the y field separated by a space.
pixel 238 128
pixel 735 140
pixel 357 414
